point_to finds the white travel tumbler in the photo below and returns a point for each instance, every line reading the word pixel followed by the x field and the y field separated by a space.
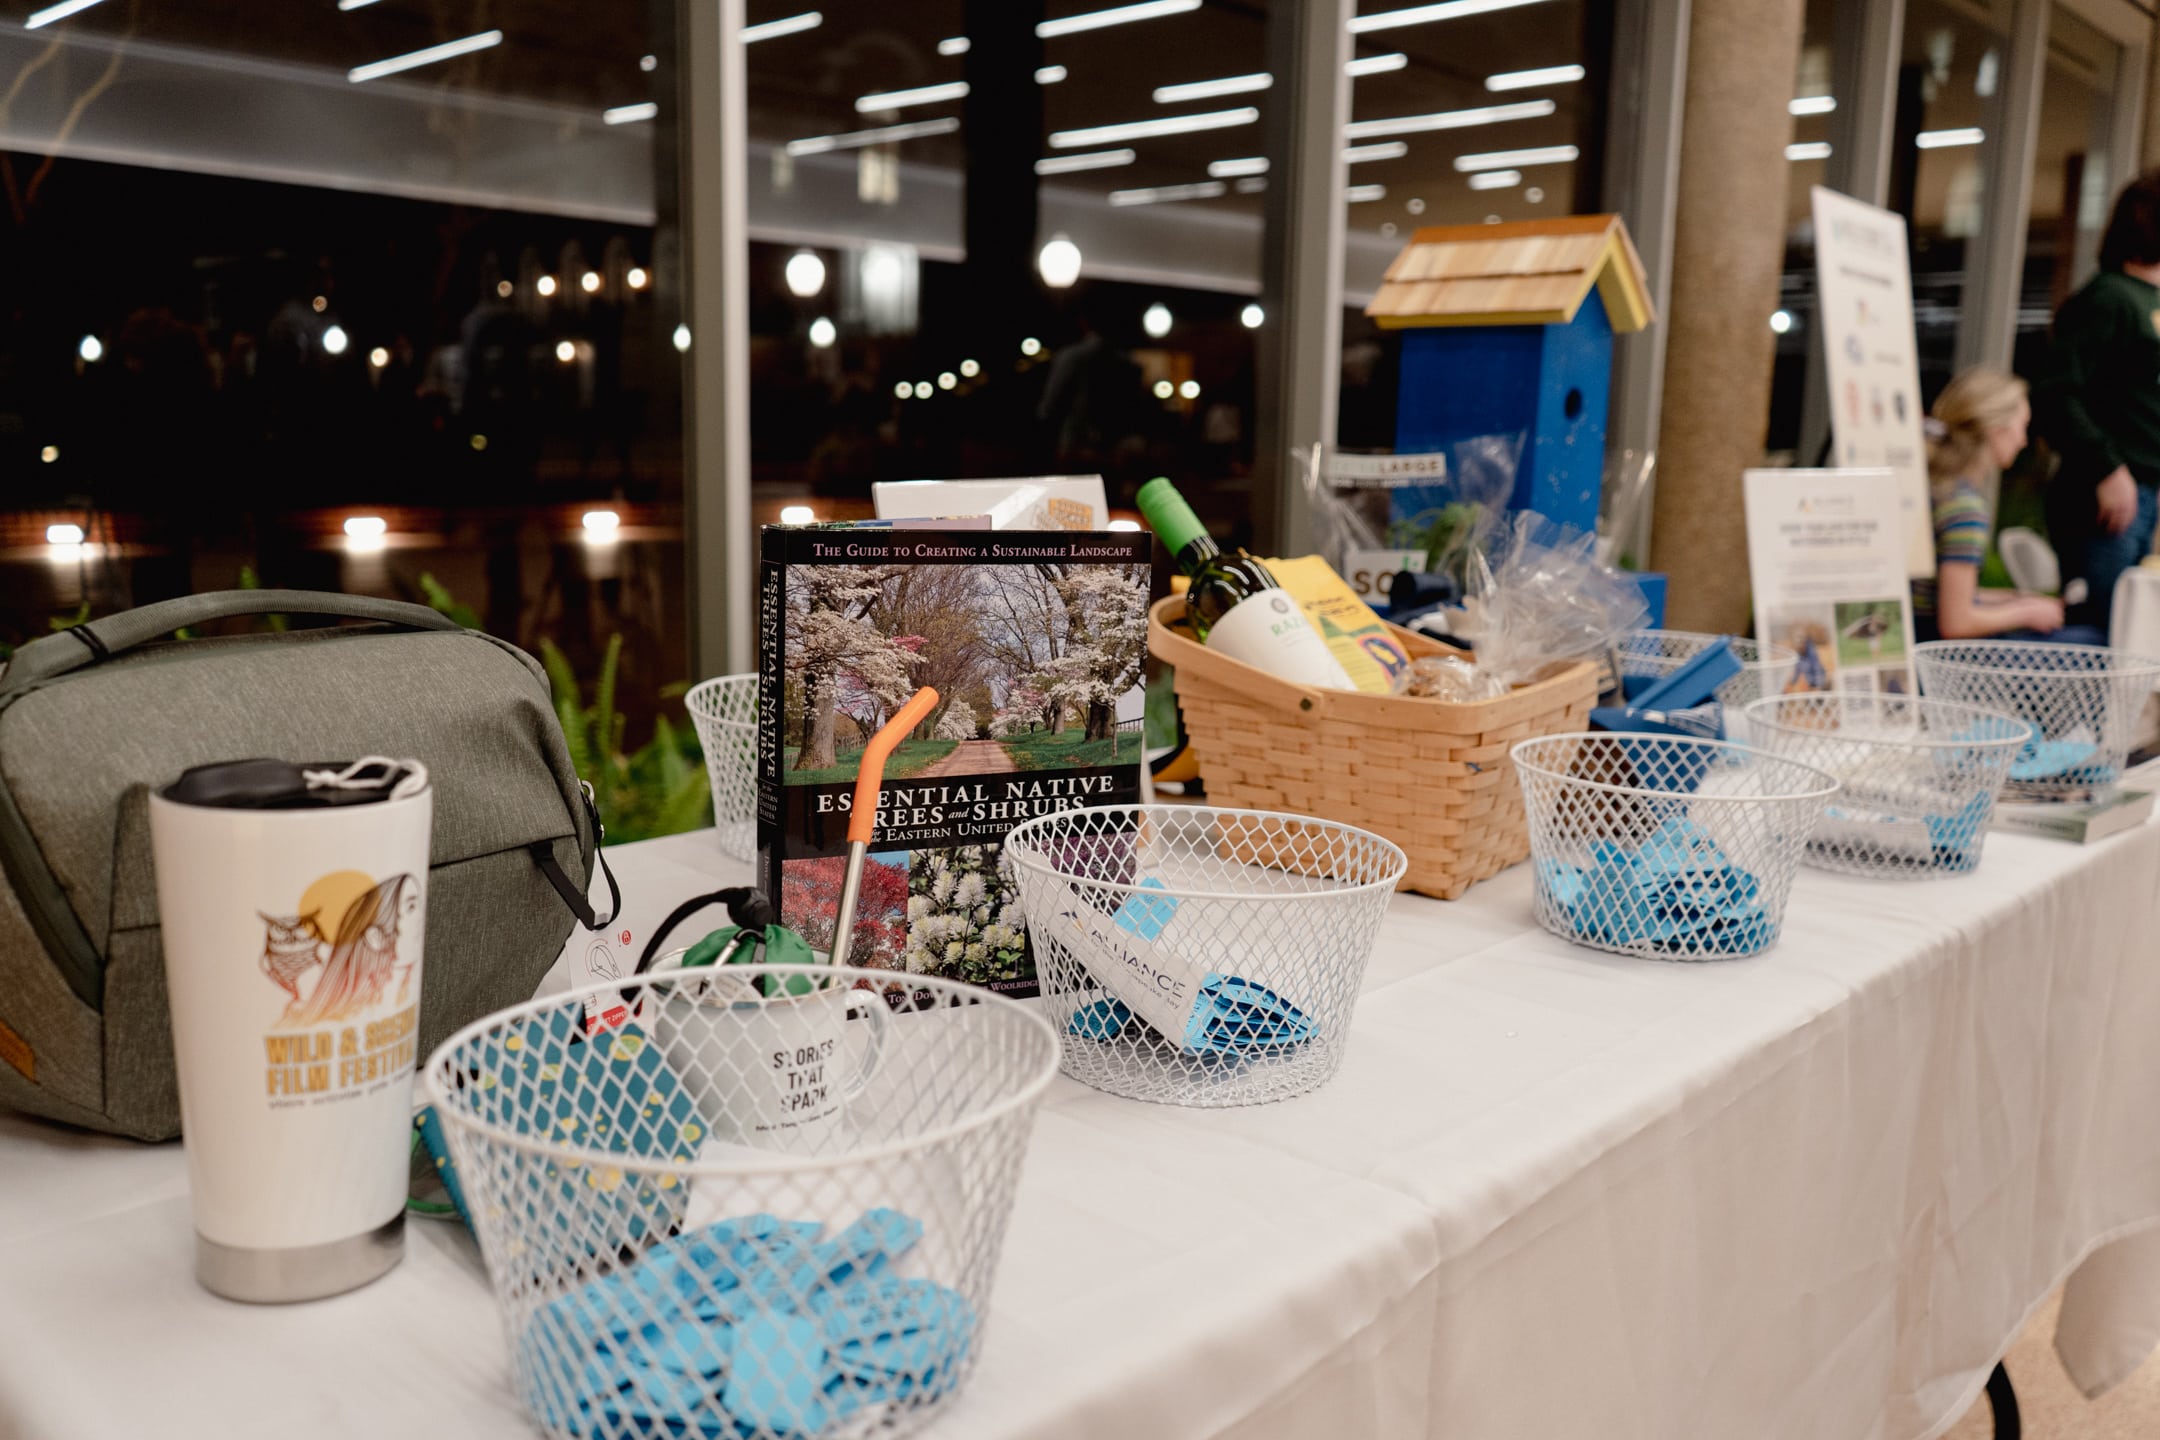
pixel 292 902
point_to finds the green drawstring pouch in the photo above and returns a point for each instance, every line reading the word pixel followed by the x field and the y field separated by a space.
pixel 754 945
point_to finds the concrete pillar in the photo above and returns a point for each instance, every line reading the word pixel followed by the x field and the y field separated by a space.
pixel 1728 248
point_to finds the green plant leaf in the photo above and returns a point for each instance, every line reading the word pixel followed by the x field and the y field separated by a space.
pixel 670 764
pixel 440 599
pixel 575 737
pixel 685 807
pixel 249 580
pixel 561 678
pixel 608 727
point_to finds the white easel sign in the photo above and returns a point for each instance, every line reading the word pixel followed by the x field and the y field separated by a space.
pixel 1863 281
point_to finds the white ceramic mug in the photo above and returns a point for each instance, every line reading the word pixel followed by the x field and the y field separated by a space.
pixel 292 955
pixel 777 1072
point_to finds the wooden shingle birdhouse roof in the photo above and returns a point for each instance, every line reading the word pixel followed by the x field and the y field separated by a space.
pixel 1530 272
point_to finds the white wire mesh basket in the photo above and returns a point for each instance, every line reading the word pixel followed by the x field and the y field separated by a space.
pixel 1917 778
pixel 2083 701
pixel 725 712
pixel 1765 669
pixel 770 1205
pixel 1666 846
pixel 1197 956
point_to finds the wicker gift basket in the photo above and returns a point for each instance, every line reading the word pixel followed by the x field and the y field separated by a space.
pixel 1432 776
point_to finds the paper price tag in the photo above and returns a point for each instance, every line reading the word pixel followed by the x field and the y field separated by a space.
pixel 602 957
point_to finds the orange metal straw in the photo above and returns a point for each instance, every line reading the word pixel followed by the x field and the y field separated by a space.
pixel 862 819
pixel 862 816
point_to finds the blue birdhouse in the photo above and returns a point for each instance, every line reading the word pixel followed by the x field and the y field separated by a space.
pixel 1499 338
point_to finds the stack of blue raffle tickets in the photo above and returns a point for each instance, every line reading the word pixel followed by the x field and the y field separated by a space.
pixel 755 1326
pixel 1672 892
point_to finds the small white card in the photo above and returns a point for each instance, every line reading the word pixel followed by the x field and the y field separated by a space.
pixel 612 954
pixel 1050 502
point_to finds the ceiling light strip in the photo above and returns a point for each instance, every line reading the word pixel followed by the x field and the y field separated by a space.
pixel 1450 119
pixel 1427 14
pixel 788 25
pixel 39 19
pixel 1375 65
pixel 1210 89
pixel 1516 159
pixel 1159 194
pixel 1530 79
pixel 1091 160
pixel 921 95
pixel 1148 129
pixel 1118 15
pixel 883 135
pixel 434 54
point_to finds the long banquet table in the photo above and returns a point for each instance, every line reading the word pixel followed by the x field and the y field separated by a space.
pixel 1551 1193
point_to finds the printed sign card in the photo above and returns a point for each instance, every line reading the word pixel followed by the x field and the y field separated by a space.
pixel 1827 553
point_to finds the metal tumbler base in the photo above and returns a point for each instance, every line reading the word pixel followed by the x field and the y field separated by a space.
pixel 300 1272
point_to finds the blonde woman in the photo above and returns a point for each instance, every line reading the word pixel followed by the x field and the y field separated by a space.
pixel 1977 427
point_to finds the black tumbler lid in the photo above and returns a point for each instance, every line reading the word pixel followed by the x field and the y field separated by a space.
pixel 281 785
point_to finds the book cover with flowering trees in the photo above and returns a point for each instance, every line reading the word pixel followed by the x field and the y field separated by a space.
pixel 1035 643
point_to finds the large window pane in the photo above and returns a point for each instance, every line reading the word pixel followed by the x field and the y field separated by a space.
pixel 1807 159
pixel 894 365
pixel 252 294
pixel 1485 117
pixel 1948 93
pixel 2074 177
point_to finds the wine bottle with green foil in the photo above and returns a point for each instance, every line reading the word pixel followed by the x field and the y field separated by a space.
pixel 1233 604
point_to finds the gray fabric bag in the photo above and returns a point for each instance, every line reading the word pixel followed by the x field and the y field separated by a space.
pixel 93 717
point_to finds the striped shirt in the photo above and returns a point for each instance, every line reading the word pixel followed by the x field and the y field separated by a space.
pixel 1961 537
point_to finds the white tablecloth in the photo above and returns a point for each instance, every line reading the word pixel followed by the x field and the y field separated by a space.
pixel 1552 1193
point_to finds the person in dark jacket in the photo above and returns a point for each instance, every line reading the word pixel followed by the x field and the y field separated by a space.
pixel 2097 402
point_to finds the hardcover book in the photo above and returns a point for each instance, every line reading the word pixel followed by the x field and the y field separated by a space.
pixel 1034 641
